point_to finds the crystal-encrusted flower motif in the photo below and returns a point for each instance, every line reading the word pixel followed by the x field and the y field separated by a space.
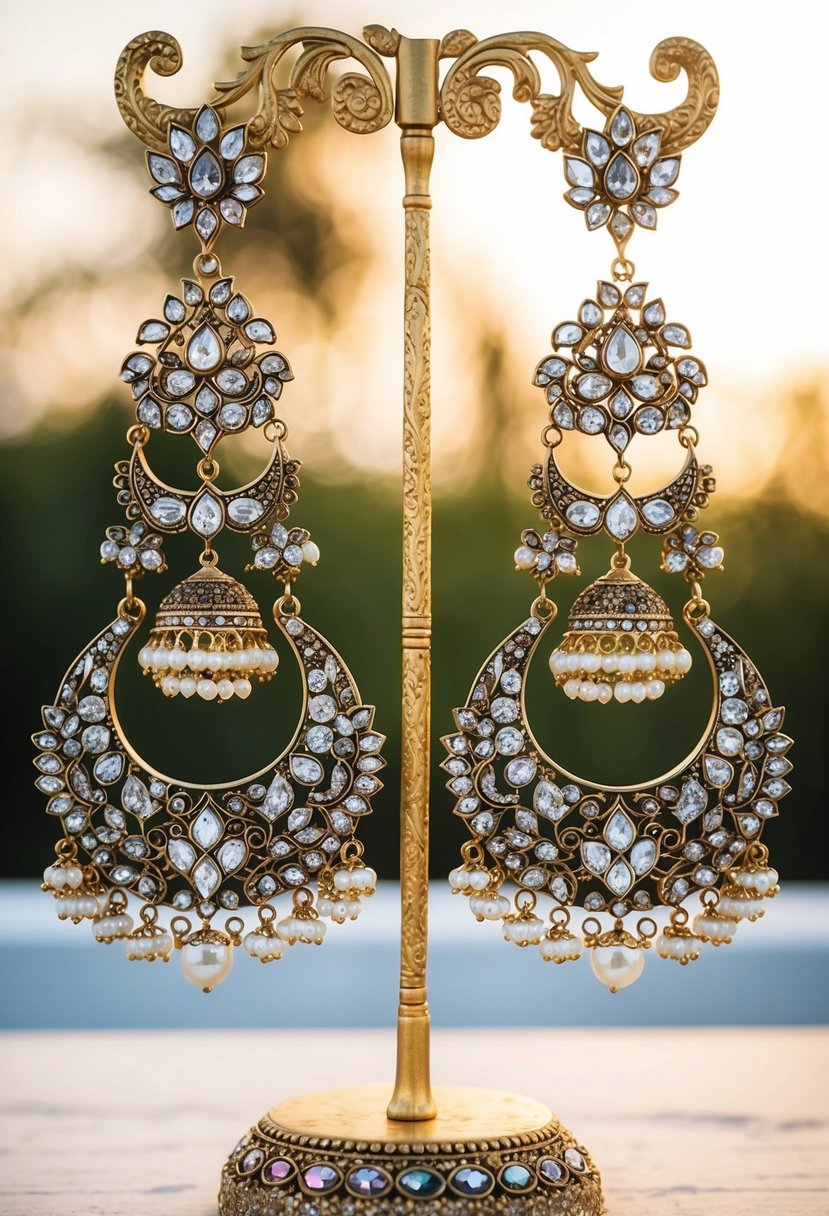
pixel 622 377
pixel 691 553
pixel 621 857
pixel 209 178
pixel 621 179
pixel 134 550
pixel 207 377
pixel 282 551
pixel 546 556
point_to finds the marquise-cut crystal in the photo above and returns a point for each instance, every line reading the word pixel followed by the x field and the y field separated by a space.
pixel 664 172
pixel 676 335
pixel 578 172
pixel 621 352
pixel 206 877
pixel 621 519
pixel 232 854
pixel 305 769
pixel 567 334
pixel 643 856
pixel 181 854
pixel 204 350
pixel 279 797
pixel 621 405
pixel 249 169
pixel 207 829
pixel 619 877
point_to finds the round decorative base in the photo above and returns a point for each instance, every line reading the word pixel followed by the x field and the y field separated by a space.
pixel 336 1154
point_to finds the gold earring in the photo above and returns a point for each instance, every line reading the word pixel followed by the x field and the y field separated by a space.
pixel 620 369
pixel 133 838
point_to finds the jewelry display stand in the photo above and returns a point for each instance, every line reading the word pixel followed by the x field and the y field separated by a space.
pixel 362 1150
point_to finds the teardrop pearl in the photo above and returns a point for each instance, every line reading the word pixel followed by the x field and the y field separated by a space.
pixel 617 966
pixel 206 964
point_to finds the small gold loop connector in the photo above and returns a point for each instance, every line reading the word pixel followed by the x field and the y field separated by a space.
pixel 622 270
pixel 621 471
pixel 138 435
pixel 208 557
pixel 688 436
pixel 543 609
pixel 552 435
pixel 287 605
pixel 208 468
pixel 275 430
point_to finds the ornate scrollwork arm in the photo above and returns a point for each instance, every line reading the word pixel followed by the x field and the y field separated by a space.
pixel 471 104
pixel 361 103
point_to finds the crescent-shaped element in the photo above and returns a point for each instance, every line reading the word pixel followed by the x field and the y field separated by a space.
pixel 685 123
pixel 186 845
pixel 148 120
pixel 617 848
pixel 166 508
pixel 621 515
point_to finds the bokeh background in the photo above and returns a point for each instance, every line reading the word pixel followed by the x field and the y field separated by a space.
pixel 741 259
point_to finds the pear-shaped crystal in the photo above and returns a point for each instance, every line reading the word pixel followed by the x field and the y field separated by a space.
pixel 621 352
pixel 206 175
pixel 204 350
pixel 621 178
pixel 206 516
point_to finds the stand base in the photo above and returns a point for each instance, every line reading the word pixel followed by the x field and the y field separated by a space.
pixel 487 1153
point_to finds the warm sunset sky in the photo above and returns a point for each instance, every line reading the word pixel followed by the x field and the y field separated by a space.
pixel 740 258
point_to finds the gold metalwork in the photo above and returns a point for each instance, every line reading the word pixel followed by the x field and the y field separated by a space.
pixel 416 115
pixel 345 1131
pixel 361 103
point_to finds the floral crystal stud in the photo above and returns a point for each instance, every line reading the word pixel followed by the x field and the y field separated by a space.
pixel 208 178
pixel 621 179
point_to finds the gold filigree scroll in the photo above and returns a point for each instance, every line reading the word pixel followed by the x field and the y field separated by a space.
pixel 471 103
pixel 361 103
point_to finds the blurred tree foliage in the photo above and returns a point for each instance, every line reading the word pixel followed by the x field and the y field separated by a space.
pixel 56 500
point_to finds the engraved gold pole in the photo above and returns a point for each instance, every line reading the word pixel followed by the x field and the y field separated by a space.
pixel 416 115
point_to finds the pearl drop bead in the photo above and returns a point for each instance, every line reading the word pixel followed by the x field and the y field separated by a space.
pixel 558 663
pixel 621 691
pixel 197 660
pixel 478 880
pixel 242 688
pixel 682 660
pixel 525 557
pixel 214 661
pixel 225 689
pixel 574 662
pixel 187 686
pixel 177 659
pixel 665 659
pixel 145 657
pixel 610 662
pixel 637 692
pixel 604 693
pixel 161 657
pixel 591 662
pixel 74 876
pixel 207 690
pixel 206 964
pixel 647 662
pixel 571 689
pixel 654 689
pixel 617 966
pixel 170 686
pixel 310 552
pixel 627 664
pixel 588 690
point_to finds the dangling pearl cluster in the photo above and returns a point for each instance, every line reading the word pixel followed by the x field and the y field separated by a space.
pixel 303 926
pixel 264 943
pixel 208 640
pixel 713 927
pixel 559 946
pixel 149 943
pixel 621 643
pixel 678 943
pixel 113 924
pixel 523 928
pixel 349 883
pixel 76 898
